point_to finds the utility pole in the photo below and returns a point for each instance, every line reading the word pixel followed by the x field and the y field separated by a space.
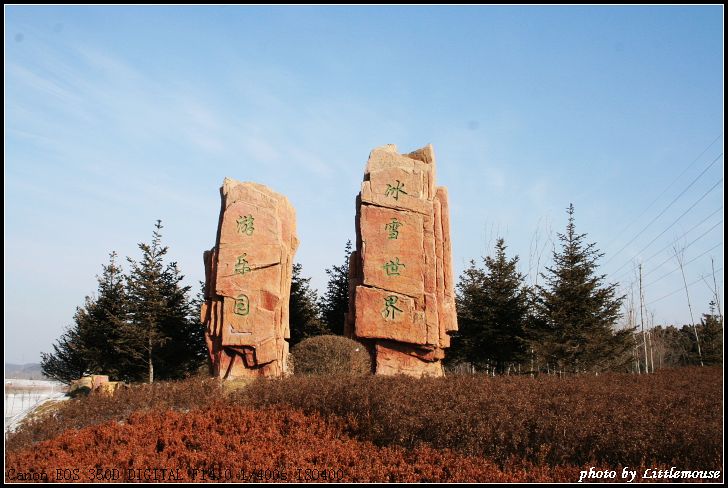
pixel 715 290
pixel 649 336
pixel 642 321
pixel 631 324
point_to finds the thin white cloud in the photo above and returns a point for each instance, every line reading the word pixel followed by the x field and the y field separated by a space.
pixel 257 147
pixel 310 161
pixel 42 85
pixel 105 63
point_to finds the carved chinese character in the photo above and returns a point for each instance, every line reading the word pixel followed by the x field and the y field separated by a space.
pixel 390 308
pixel 241 266
pixel 393 228
pixel 245 225
pixel 394 191
pixel 392 267
pixel 242 305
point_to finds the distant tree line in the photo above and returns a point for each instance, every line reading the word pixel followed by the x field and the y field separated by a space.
pixel 567 325
pixel 670 346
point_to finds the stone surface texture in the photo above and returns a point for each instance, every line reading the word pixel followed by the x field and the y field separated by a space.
pixel 89 383
pixel 401 294
pixel 248 282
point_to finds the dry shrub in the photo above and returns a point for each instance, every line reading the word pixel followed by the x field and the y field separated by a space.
pixel 673 417
pixel 224 442
pixel 233 441
pixel 330 355
pixel 83 411
pixel 464 428
pixel 78 392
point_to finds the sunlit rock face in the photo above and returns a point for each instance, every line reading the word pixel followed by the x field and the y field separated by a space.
pixel 401 295
pixel 248 282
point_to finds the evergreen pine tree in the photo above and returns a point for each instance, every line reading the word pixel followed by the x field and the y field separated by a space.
pixel 336 299
pixel 470 304
pixel 712 337
pixel 492 305
pixel 141 325
pixel 196 304
pixel 184 352
pixel 304 315
pixel 69 359
pixel 107 315
pixel 143 332
pixel 91 345
pixel 682 345
pixel 506 308
pixel 578 311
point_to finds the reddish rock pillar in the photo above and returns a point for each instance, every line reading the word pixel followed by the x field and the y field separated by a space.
pixel 248 282
pixel 401 295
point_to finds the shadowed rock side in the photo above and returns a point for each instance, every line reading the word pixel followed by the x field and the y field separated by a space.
pixel 248 282
pixel 401 295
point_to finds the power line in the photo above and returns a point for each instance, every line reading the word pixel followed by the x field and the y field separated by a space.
pixel 658 252
pixel 691 243
pixel 684 213
pixel 681 288
pixel 669 186
pixel 689 231
pixel 676 269
pixel 670 257
pixel 666 208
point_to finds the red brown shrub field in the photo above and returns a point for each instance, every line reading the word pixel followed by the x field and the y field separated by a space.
pixel 458 428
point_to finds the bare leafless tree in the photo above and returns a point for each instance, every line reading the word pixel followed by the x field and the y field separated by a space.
pixel 714 290
pixel 680 256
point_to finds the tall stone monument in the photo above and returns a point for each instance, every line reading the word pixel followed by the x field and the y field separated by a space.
pixel 248 282
pixel 401 296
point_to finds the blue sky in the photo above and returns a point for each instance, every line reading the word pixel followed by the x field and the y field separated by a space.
pixel 118 116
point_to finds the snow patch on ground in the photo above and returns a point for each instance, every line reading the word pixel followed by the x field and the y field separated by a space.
pixel 24 396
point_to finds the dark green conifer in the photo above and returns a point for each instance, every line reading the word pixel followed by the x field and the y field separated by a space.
pixel 578 311
pixel 335 301
pixel 304 315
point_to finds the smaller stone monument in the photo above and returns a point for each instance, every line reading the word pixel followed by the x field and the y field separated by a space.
pixel 248 282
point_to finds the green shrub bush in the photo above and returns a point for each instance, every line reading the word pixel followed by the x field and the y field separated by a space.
pixel 330 355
